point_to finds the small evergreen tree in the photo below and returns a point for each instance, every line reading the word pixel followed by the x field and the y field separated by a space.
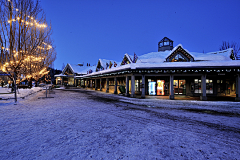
pixel 233 45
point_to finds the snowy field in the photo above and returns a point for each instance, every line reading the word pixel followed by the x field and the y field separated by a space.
pixel 94 125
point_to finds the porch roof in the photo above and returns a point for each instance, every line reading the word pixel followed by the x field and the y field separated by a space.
pixel 170 65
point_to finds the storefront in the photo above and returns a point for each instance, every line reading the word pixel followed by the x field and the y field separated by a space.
pixel 179 86
pixel 172 72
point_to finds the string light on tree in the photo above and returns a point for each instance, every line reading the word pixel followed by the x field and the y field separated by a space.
pixel 32 52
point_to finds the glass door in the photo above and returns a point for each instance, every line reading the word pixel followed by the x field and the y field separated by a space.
pixel 182 87
pixel 179 86
pixel 175 86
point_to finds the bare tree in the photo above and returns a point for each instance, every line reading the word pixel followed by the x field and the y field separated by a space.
pixel 233 45
pixel 25 40
pixel 63 66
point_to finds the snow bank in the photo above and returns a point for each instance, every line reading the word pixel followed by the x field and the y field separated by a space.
pixel 5 93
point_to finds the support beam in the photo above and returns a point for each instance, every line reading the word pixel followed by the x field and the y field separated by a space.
pixel 91 83
pixel 133 86
pixel 107 85
pixel 171 92
pixel 115 86
pixel 143 86
pixel 95 85
pixel 203 96
pixel 127 86
pixel 237 88
pixel 100 84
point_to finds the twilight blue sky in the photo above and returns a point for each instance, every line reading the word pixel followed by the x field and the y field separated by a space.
pixel 86 30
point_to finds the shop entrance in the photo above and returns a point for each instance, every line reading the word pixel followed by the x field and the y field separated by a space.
pixel 179 86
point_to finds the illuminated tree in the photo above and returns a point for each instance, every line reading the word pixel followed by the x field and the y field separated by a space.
pixel 25 40
pixel 26 46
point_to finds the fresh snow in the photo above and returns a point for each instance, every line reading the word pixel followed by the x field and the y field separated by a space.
pixel 20 92
pixel 85 124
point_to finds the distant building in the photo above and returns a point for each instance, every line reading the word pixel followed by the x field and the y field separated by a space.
pixel 67 76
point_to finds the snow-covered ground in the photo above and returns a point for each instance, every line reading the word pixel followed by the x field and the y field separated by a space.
pixel 5 93
pixel 84 124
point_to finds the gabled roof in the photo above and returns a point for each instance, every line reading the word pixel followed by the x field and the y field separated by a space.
pixel 127 59
pixel 76 69
pixel 179 48
pixel 102 64
pixel 66 67
pixel 165 39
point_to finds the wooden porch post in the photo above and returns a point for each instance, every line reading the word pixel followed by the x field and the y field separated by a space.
pixel 107 85
pixel 237 88
pixel 115 86
pixel 171 95
pixel 100 84
pixel 91 84
pixel 133 86
pixel 95 84
pixel 127 86
pixel 203 96
pixel 143 86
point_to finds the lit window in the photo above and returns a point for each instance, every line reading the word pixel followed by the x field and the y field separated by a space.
pixel 207 80
pixel 166 43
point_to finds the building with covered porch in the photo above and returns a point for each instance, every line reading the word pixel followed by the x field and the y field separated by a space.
pixel 70 71
pixel 169 72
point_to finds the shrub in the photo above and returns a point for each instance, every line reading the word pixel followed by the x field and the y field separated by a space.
pixel 122 89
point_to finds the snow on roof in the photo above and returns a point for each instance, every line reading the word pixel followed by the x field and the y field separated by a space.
pixel 223 55
pixel 103 63
pixel 166 65
pixel 113 69
pixel 60 75
pixel 158 57
pixel 185 64
pixel 79 69
pixel 158 60
pixel 130 57
pixel 153 57
pixel 86 69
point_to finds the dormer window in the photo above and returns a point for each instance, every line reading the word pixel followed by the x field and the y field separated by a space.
pixel 179 58
pixel 179 55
